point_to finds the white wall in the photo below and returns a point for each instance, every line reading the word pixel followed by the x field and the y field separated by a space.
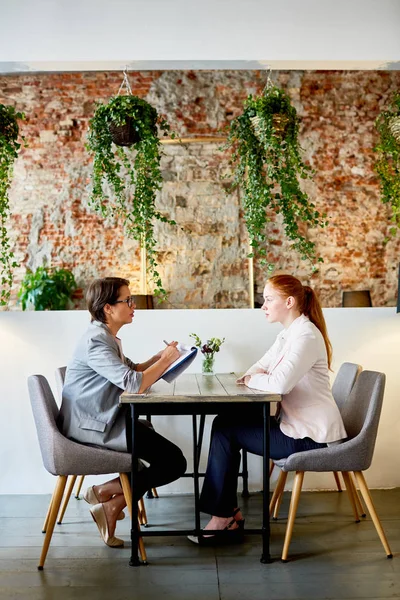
pixel 40 34
pixel 39 342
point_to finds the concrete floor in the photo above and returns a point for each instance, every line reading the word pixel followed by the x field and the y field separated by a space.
pixel 331 556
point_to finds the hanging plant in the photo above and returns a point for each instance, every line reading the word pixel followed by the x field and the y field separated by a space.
pixel 133 164
pixel 9 148
pixel 267 163
pixel 388 163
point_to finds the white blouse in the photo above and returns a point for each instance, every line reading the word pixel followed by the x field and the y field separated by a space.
pixel 296 367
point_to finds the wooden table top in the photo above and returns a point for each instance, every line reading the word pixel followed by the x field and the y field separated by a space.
pixel 197 388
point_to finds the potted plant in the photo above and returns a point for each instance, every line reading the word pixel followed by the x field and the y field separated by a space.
pixel 123 139
pixel 10 144
pixel 388 163
pixel 267 165
pixel 47 289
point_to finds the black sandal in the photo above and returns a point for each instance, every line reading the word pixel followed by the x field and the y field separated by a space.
pixel 225 536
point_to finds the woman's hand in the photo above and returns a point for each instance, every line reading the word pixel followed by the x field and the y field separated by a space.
pixel 154 371
pixel 244 379
pixel 170 353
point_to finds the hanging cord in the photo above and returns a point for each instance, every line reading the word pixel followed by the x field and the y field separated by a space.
pixel 256 120
pixel 125 83
pixel 269 83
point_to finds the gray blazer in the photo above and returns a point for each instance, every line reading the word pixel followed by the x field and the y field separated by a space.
pixel 95 378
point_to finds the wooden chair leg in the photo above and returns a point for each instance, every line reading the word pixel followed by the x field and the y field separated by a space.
pixel 271 467
pixel 350 493
pixel 294 502
pixel 55 505
pixel 46 521
pixel 79 486
pixel 277 495
pixel 126 487
pixel 155 493
pixel 360 508
pixel 362 484
pixel 143 514
pixel 66 498
pixel 279 501
pixel 337 480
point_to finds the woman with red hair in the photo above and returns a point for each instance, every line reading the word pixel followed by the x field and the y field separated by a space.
pixel 297 367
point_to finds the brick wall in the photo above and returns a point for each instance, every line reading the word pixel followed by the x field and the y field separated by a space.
pixel 208 267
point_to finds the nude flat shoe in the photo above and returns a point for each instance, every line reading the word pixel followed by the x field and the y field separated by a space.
pixel 90 497
pixel 99 517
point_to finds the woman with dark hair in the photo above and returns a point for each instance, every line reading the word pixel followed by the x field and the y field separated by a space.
pixel 297 367
pixel 90 411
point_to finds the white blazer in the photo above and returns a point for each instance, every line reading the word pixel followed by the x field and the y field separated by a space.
pixel 296 367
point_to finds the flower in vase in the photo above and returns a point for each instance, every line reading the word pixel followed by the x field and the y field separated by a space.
pixel 208 350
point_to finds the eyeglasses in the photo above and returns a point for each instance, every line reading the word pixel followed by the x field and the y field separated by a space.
pixel 130 301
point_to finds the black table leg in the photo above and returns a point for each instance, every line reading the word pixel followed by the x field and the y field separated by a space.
pixel 196 476
pixel 245 475
pixel 134 561
pixel 265 557
pixel 149 494
pixel 200 440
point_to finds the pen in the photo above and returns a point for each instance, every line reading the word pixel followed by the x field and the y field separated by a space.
pixel 166 343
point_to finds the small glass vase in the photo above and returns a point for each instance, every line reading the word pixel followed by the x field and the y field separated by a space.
pixel 208 364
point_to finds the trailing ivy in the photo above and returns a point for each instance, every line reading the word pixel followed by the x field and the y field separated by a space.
pixel 267 164
pixel 388 163
pixel 125 169
pixel 9 148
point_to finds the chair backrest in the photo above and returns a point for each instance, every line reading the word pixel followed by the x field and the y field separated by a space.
pixel 344 382
pixel 59 375
pixel 45 413
pixel 361 414
pixel 62 456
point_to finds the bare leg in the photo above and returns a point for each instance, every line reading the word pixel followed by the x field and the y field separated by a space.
pixel 105 491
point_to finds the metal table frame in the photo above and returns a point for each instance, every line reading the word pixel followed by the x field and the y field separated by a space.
pixel 202 404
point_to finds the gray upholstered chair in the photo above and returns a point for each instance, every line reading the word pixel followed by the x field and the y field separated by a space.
pixel 344 382
pixel 59 375
pixel 63 457
pixel 341 389
pixel 361 413
pixel 342 386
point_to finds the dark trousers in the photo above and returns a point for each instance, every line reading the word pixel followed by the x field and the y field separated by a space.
pixel 229 435
pixel 166 461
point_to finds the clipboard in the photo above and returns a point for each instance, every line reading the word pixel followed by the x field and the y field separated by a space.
pixel 188 354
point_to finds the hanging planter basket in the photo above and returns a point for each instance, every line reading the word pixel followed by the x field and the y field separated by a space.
pixel 273 116
pixel 130 119
pixel 280 122
pixel 387 165
pixel 134 127
pixel 10 144
pixel 127 179
pixel 394 127
pixel 268 167
pixel 124 135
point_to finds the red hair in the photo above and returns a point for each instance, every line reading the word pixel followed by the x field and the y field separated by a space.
pixel 307 302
